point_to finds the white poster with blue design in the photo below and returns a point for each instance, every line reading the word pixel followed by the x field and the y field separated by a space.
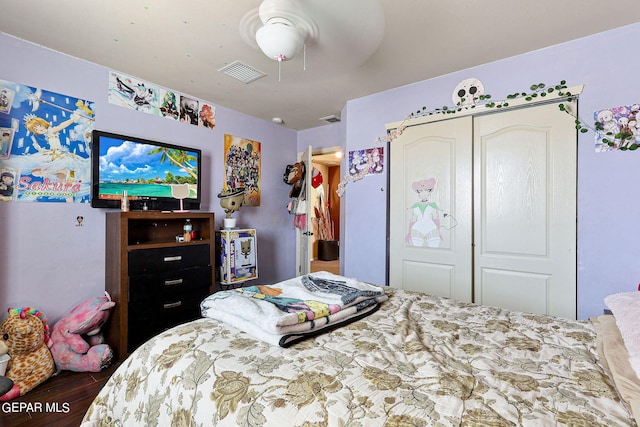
pixel 45 145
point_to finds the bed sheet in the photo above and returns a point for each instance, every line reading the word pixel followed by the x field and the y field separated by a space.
pixel 420 360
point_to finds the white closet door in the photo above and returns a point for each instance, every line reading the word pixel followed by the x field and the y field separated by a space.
pixel 430 209
pixel 525 210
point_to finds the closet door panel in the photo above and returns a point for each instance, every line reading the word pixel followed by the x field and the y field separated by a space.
pixel 430 209
pixel 517 290
pixel 515 186
pixel 441 277
pixel 525 210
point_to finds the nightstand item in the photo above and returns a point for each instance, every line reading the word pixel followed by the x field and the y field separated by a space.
pixel 238 255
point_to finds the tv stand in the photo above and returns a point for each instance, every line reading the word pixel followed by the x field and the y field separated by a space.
pixel 156 281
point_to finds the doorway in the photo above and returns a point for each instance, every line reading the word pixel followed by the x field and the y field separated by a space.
pixel 325 218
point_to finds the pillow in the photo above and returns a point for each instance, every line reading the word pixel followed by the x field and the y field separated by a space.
pixel 615 358
pixel 626 310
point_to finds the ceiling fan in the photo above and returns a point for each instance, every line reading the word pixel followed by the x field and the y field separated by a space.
pixel 342 33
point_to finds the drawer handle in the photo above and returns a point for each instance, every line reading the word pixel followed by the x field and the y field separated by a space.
pixel 172 304
pixel 173 258
pixel 173 282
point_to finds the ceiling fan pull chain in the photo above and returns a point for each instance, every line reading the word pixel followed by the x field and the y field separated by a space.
pixel 304 57
pixel 279 68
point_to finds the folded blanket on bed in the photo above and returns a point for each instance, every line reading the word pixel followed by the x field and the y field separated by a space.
pixel 291 310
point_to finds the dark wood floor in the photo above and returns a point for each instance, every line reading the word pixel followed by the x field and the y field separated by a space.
pixel 61 401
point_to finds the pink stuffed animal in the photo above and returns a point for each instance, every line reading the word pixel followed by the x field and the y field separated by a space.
pixel 76 341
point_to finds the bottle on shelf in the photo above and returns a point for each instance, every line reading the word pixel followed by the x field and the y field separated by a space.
pixel 188 228
pixel 124 203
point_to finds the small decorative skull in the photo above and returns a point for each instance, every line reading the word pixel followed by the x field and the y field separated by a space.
pixel 467 92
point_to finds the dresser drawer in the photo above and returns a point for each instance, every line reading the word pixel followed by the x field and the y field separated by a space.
pixel 155 260
pixel 149 318
pixel 167 284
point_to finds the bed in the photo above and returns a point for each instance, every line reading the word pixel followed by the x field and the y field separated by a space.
pixel 418 360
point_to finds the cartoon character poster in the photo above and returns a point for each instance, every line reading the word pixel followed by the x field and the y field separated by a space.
pixel 189 110
pixel 207 116
pixel 169 104
pixel 133 93
pixel 242 167
pixel 366 162
pixel 45 152
pixel 618 128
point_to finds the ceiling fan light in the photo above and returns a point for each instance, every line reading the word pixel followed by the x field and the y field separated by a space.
pixel 280 41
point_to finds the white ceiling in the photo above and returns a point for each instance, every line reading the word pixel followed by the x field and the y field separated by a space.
pixel 181 45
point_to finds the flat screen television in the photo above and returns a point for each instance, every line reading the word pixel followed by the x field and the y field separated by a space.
pixel 147 170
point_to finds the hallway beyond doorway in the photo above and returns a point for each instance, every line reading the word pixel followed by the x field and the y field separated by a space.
pixel 330 266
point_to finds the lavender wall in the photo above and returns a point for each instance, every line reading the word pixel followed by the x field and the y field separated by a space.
pixel 50 263
pixel 608 199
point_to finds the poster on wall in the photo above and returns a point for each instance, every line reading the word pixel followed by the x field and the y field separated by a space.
pixel 139 95
pixel 169 104
pixel 207 116
pixel 618 128
pixel 133 93
pixel 45 152
pixel 366 162
pixel 242 167
pixel 188 110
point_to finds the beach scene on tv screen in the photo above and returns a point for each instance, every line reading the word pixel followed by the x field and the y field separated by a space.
pixel 144 170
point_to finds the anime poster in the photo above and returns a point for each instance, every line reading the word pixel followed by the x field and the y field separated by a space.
pixel 189 110
pixel 6 140
pixel 168 104
pixel 618 128
pixel 366 162
pixel 242 167
pixel 45 154
pixel 207 116
pixel 6 99
pixel 133 93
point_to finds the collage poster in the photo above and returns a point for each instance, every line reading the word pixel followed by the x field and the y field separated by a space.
pixel 242 167
pixel 45 145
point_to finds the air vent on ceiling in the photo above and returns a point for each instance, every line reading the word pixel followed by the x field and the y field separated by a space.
pixel 242 72
pixel 331 119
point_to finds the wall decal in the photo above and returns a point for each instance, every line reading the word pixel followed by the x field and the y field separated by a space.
pixel 468 92
pixel 45 154
pixel 427 219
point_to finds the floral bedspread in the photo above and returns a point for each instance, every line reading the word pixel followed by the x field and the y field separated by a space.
pixel 418 361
